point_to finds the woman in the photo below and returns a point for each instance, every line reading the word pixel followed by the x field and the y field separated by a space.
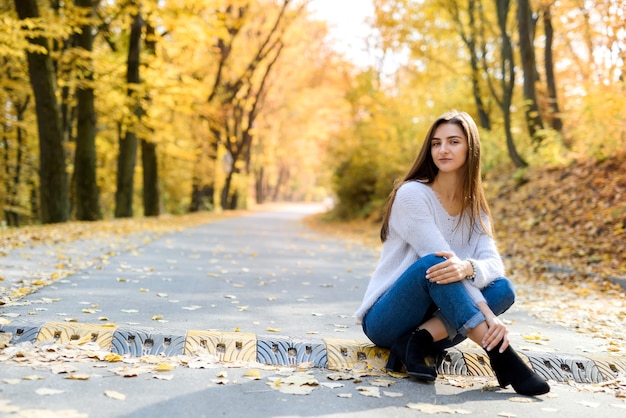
pixel 440 276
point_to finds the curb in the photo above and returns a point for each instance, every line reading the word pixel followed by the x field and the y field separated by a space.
pixel 330 353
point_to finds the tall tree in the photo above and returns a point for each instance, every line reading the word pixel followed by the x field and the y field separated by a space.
pixel 231 19
pixel 149 160
pixel 472 35
pixel 525 25
pixel 127 156
pixel 85 183
pixel 241 96
pixel 554 113
pixel 507 79
pixel 53 187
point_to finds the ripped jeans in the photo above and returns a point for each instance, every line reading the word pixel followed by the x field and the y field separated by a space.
pixel 413 299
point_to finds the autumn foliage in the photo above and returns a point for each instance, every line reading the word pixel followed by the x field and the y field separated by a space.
pixel 571 218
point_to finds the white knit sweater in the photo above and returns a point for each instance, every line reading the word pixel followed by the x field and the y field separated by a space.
pixel 419 225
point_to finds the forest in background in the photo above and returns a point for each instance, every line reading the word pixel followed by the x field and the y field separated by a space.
pixel 135 108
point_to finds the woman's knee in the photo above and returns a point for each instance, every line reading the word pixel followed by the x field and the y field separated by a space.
pixel 500 295
pixel 430 260
pixel 508 291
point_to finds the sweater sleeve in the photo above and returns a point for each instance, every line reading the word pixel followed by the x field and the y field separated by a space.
pixel 413 218
pixel 487 262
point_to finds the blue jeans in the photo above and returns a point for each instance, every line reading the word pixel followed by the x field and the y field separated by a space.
pixel 413 299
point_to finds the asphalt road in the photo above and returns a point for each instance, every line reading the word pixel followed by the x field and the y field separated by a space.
pixel 265 275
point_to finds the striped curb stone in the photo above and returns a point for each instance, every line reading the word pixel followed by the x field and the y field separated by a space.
pixel 331 353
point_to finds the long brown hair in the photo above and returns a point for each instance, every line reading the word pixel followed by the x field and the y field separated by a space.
pixel 425 170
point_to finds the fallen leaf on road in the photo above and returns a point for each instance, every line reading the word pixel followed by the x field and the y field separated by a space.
pixel 300 383
pixel 114 395
pixel 48 391
pixel 252 374
pixel 589 404
pixel 436 409
pixel 5 339
pixel 383 383
pixel 11 381
pixel 32 377
pixel 522 400
pixel 370 391
pixel 78 376
pixel 164 367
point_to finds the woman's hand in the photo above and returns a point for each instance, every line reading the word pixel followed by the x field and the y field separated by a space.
pixel 497 332
pixel 449 271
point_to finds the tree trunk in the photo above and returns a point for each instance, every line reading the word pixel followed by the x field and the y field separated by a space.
pixel 85 180
pixel 553 104
pixel 507 81
pixel 470 38
pixel 260 186
pixel 529 66
pixel 53 187
pixel 128 144
pixel 151 193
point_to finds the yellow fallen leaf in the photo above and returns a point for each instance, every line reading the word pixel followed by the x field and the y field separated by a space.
pixel 270 329
pixel 32 377
pixel 164 367
pixel 89 311
pixel 252 374
pixel 112 357
pixel 157 317
pixel 78 376
pixel 5 339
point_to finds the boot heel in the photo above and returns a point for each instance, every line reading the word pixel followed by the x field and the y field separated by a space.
pixel 503 381
pixel 394 364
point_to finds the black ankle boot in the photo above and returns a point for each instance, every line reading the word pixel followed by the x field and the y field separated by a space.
pixel 509 368
pixel 411 350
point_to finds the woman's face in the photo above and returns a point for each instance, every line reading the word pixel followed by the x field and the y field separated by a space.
pixel 449 147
